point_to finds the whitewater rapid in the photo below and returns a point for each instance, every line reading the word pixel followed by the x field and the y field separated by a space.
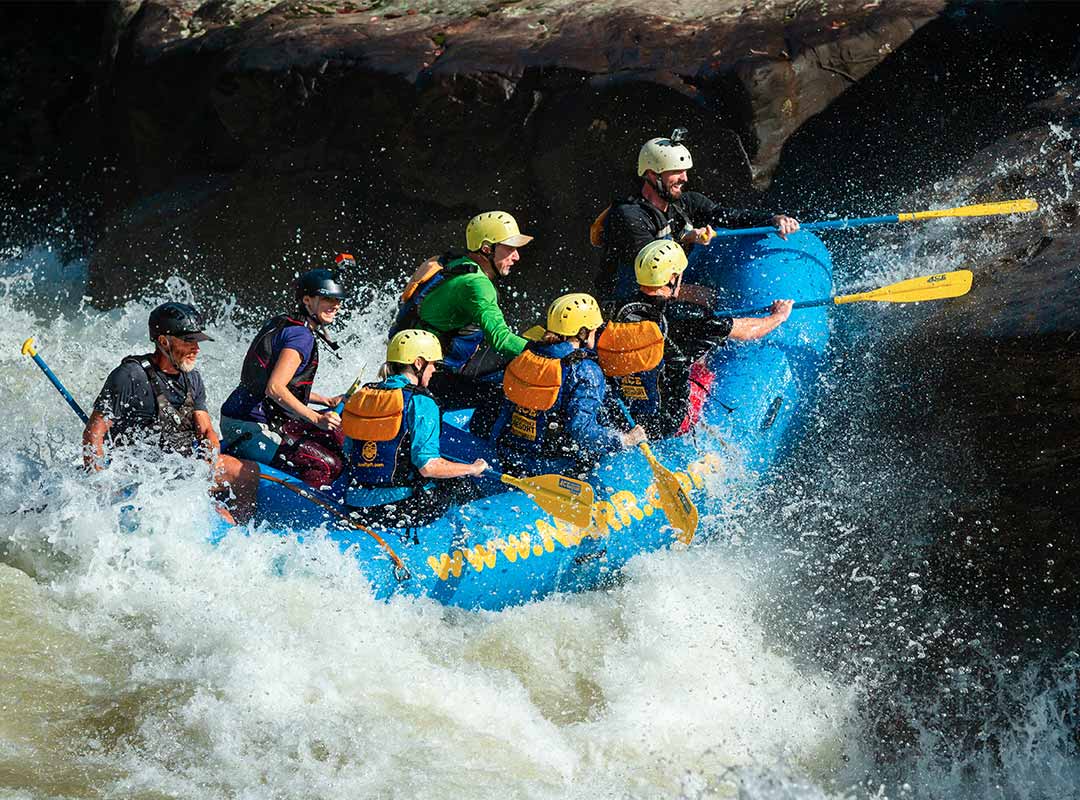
pixel 797 650
pixel 136 660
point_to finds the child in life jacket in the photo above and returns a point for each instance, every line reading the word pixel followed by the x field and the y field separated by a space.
pixel 553 418
pixel 395 475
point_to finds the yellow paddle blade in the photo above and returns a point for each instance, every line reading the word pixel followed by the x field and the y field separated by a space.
pixel 981 210
pixel 535 333
pixel 564 498
pixel 915 290
pixel 681 512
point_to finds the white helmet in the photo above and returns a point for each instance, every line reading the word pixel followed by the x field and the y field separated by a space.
pixel 661 155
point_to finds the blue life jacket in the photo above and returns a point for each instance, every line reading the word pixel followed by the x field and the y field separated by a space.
pixel 458 346
pixel 534 414
pixel 376 418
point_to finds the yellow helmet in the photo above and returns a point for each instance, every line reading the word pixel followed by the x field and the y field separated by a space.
pixel 572 312
pixel 494 227
pixel 657 261
pixel 411 344
pixel 661 155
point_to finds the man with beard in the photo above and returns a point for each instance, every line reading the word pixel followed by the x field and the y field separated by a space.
pixel 663 208
pixel 160 397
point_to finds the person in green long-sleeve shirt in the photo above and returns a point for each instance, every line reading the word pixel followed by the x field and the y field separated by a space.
pixel 455 297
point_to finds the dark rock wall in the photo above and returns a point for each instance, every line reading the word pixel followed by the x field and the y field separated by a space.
pixel 392 125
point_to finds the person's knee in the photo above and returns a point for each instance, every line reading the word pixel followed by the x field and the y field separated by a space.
pixel 231 470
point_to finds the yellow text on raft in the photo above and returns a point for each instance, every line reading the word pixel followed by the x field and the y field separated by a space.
pixel 621 510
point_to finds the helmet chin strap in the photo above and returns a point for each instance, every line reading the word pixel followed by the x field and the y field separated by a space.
pixel 320 330
pixel 169 354
pixel 661 189
pixel 489 258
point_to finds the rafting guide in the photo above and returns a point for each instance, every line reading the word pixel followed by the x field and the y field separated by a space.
pixel 160 396
pixel 662 208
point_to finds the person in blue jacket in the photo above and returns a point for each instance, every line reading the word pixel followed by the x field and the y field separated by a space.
pixel 396 475
pixel 552 419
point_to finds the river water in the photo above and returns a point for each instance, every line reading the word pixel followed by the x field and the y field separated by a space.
pixel 138 661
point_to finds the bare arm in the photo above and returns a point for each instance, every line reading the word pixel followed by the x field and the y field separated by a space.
pixel 205 431
pixel 93 439
pixel 277 389
pixel 747 329
pixel 440 468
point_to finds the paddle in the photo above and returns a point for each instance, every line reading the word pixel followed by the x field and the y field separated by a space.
pixel 564 498
pixel 681 512
pixel 401 572
pixel 28 350
pixel 913 290
pixel 352 390
pixel 981 210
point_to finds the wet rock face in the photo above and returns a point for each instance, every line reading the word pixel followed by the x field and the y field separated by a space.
pixel 425 113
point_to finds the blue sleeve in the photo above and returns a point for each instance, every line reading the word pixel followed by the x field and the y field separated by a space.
pixel 425 430
pixel 295 337
pixel 583 403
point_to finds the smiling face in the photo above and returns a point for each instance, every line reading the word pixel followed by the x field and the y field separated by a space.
pixel 183 353
pixel 672 182
pixel 322 309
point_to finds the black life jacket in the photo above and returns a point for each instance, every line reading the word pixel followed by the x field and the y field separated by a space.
pixel 175 426
pixel 661 221
pixel 259 363
pixel 458 346
pixel 533 420
pixel 376 419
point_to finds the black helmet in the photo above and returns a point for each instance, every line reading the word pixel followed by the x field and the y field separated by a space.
pixel 319 283
pixel 179 320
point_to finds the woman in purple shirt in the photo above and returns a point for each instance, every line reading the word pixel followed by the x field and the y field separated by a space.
pixel 267 417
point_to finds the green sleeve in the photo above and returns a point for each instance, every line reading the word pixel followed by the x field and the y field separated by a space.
pixel 484 305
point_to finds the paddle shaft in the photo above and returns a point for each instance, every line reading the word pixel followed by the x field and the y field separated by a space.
pixel 743 312
pixel 28 349
pixel 812 226
pixel 649 456
pixel 341 514
pixel 345 398
pixel 1019 206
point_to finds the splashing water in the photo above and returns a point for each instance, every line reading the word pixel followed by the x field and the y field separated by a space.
pixel 140 661
pixel 136 660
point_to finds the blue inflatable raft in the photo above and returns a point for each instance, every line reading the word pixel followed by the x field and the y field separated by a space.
pixel 503 550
